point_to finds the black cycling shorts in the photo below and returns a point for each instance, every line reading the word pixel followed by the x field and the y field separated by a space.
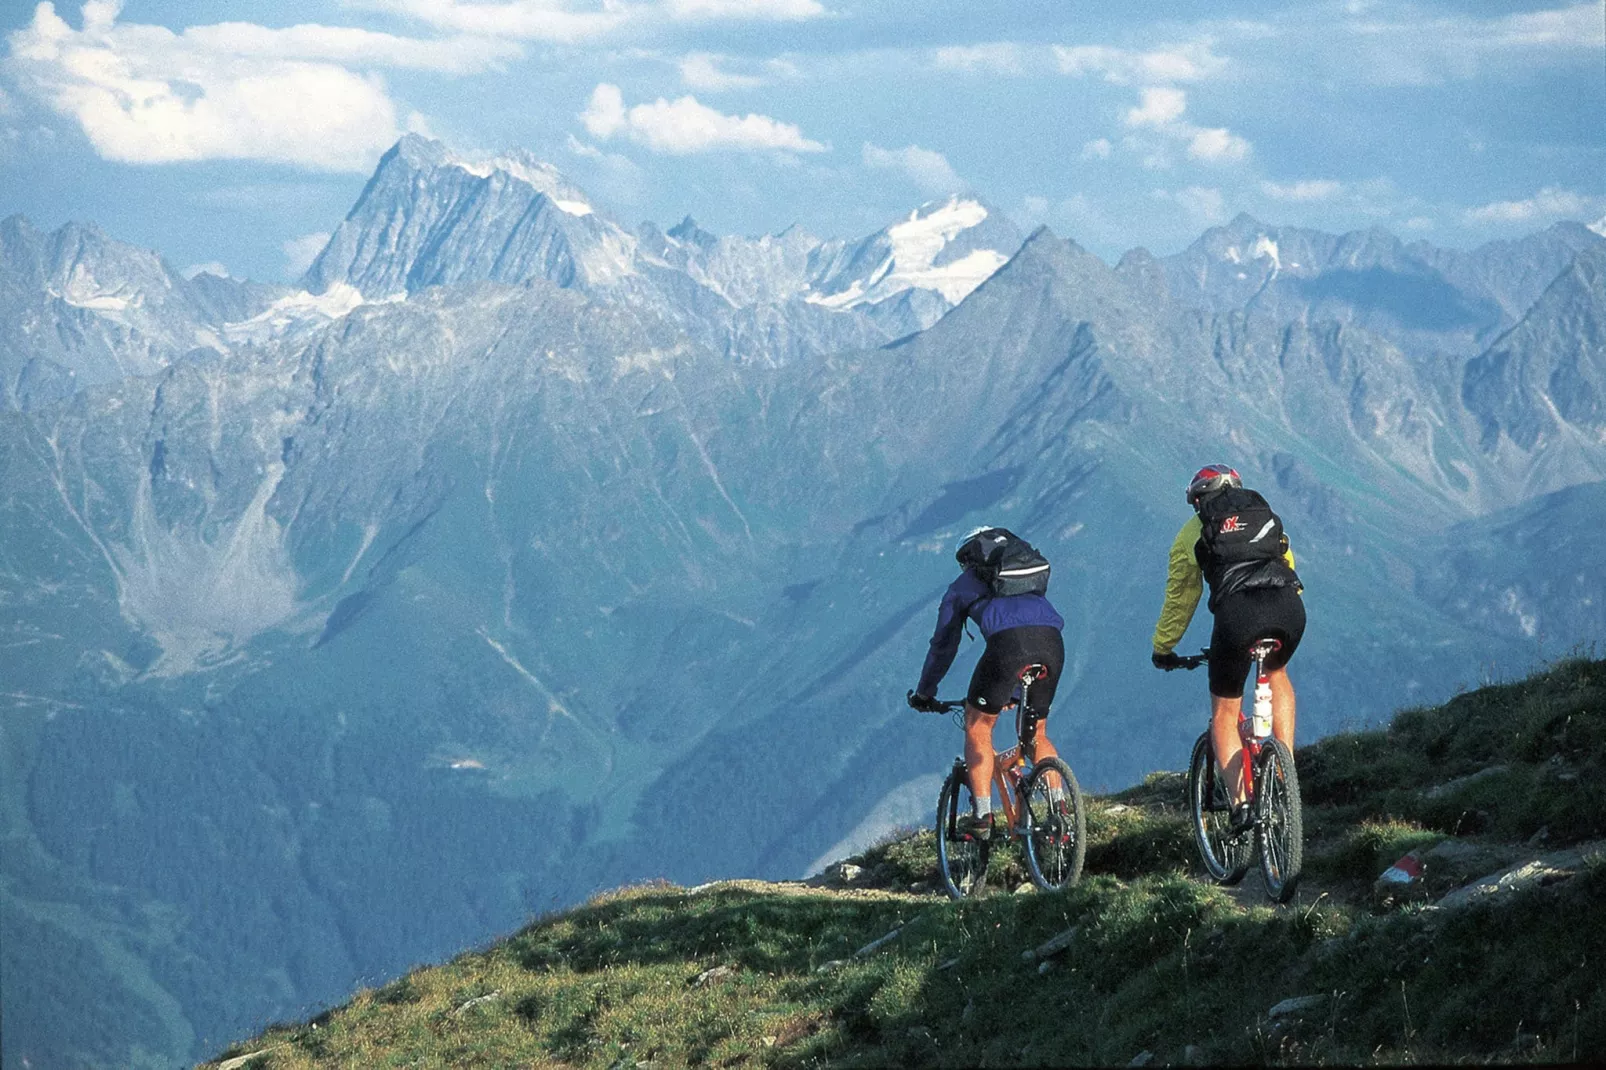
pixel 1007 653
pixel 1243 617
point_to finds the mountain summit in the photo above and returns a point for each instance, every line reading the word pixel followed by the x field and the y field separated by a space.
pixel 429 217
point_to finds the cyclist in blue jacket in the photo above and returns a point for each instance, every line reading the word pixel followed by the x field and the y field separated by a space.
pixel 1020 630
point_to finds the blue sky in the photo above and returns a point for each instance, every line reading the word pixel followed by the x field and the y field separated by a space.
pixel 235 134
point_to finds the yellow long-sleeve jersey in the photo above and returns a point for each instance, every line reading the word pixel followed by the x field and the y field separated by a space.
pixel 1184 584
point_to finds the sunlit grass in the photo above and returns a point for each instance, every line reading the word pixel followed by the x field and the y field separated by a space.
pixel 1161 961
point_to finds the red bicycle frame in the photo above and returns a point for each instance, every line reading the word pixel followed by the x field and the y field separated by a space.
pixel 1254 730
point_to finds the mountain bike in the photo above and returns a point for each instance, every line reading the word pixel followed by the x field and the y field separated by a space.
pixel 1041 801
pixel 1272 787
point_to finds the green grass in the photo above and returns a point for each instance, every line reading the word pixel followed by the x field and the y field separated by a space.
pixel 1162 961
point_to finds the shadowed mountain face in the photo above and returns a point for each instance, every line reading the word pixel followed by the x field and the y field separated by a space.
pixel 389 623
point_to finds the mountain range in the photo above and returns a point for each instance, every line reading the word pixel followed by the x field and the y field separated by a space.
pixel 513 553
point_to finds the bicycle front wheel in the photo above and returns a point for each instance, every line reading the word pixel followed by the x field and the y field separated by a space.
pixel 1225 856
pixel 1056 825
pixel 961 859
pixel 1280 825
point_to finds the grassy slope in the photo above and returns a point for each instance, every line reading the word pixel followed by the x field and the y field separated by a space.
pixel 1162 961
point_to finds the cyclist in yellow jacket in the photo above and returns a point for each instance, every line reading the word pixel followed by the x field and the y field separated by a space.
pixel 1233 542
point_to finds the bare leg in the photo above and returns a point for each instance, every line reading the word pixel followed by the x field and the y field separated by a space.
pixel 1228 746
pixel 1046 750
pixel 979 751
pixel 1282 707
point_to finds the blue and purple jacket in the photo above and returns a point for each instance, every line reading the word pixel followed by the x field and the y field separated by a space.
pixel 970 598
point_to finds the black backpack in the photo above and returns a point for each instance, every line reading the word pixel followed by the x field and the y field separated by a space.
pixel 1241 544
pixel 1008 563
pixel 1237 525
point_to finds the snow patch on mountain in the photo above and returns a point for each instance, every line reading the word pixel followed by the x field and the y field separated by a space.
pixel 1599 226
pixel 1264 246
pixel 914 248
pixel 301 311
pixel 82 290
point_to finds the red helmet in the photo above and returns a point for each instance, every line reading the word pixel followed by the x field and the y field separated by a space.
pixel 1209 479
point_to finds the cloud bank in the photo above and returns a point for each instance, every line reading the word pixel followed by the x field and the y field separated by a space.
pixel 685 126
pixel 928 170
pixel 145 95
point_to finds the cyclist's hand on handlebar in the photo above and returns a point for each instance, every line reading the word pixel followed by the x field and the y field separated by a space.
pixel 923 703
pixel 1166 661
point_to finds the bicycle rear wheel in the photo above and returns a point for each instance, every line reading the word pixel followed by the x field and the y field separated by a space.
pixel 1056 825
pixel 1225 856
pixel 1280 825
pixel 961 860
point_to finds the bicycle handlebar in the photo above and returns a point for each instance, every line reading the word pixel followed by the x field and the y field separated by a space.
pixel 938 706
pixel 1193 661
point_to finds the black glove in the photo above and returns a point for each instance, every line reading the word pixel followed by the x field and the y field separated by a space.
pixel 1166 661
pixel 923 703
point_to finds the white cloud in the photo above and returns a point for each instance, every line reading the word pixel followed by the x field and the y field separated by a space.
pixel 1160 110
pixel 928 170
pixel 580 148
pixel 1578 26
pixel 352 47
pixel 1217 144
pixel 1001 57
pixel 1549 204
pixel 1097 149
pixel 1172 63
pixel 299 253
pixel 684 126
pixel 1313 189
pixel 700 70
pixel 1204 205
pixel 1430 50
pixel 538 20
pixel 143 94
pixel 776 10
pixel 605 114
pixel 1160 106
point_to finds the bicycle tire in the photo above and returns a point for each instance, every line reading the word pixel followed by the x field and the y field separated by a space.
pixel 961 861
pixel 1056 833
pixel 1280 824
pixel 1226 857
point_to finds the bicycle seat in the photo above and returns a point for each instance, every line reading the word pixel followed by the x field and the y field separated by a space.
pixel 1261 649
pixel 1032 673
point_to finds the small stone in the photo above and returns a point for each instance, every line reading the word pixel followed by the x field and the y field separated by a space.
pixel 1450 787
pixel 830 967
pixel 1142 1058
pixel 878 943
pixel 769 1042
pixel 1045 967
pixel 1117 808
pixel 1026 889
pixel 1052 946
pixel 1193 1055
pixel 708 977
pixel 1297 1005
